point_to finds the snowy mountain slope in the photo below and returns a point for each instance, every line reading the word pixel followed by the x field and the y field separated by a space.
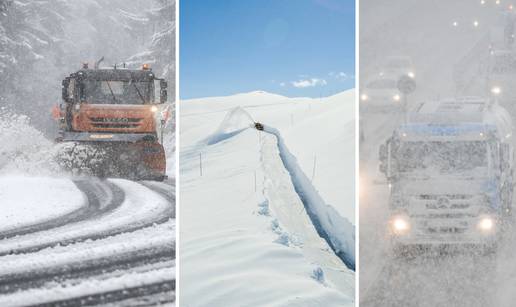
pixel 320 128
pixel 243 215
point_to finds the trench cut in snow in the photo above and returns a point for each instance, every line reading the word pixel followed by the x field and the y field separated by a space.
pixel 338 232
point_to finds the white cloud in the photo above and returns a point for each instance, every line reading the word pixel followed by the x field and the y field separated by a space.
pixel 341 76
pixel 309 83
pixel 282 84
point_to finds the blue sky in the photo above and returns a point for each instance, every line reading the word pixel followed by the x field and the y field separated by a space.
pixel 290 47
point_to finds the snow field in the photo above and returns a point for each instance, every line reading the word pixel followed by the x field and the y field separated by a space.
pixel 225 237
pixel 257 237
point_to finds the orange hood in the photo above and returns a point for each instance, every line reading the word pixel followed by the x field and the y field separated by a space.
pixel 115 118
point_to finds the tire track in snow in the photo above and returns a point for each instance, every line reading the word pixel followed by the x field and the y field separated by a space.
pixel 103 198
pixel 86 269
pixel 165 288
pixel 98 207
pixel 93 207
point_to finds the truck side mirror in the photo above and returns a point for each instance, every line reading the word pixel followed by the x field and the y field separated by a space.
pixel 505 157
pixel 64 90
pixel 163 91
pixel 382 154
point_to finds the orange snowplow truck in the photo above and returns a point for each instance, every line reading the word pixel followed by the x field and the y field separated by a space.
pixel 112 120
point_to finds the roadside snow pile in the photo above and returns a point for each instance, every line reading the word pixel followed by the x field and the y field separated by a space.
pixel 24 149
pixel 169 143
pixel 27 201
pixel 169 140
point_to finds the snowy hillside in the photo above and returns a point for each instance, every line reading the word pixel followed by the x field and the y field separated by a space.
pixel 261 204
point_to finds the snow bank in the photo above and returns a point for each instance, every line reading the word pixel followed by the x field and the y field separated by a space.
pixel 338 231
pixel 24 149
pixel 26 201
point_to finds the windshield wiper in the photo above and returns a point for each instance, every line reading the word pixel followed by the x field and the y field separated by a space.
pixel 138 91
pixel 111 90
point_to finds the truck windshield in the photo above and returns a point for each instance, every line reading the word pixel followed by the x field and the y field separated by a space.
pixel 398 63
pixel 382 84
pixel 116 92
pixel 442 157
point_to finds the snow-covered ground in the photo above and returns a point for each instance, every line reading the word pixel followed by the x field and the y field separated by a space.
pixel 27 200
pixel 64 238
pixel 243 220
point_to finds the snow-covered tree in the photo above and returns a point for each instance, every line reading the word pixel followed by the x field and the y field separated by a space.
pixel 160 50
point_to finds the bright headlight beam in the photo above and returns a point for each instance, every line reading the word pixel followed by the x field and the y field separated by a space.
pixel 496 90
pixel 486 224
pixel 400 224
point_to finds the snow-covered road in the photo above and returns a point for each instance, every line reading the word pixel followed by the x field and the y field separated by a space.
pixel 435 279
pixel 115 242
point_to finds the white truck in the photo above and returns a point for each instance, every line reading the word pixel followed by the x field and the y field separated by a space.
pixel 450 173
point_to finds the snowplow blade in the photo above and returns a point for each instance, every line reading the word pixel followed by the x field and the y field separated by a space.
pixel 140 160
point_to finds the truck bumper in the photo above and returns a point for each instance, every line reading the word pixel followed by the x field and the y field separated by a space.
pixel 108 137
pixel 468 236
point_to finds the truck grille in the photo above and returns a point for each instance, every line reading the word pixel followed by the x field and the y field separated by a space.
pixel 116 122
pixel 444 213
pixel 447 196
pixel 445 230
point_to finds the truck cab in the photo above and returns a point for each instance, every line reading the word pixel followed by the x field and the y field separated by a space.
pixel 106 101
pixel 450 172
pixel 119 112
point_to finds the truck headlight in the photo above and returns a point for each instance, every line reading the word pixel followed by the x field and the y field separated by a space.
pixel 396 97
pixel 411 74
pixel 154 109
pixel 486 224
pixel 496 90
pixel 364 97
pixel 400 224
